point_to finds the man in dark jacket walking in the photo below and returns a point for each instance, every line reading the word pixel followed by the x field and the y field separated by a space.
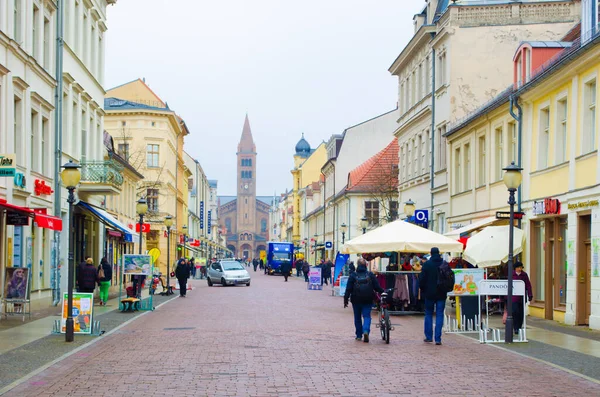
pixel 305 270
pixel 286 269
pixel 360 291
pixel 434 297
pixel 182 272
pixel 87 276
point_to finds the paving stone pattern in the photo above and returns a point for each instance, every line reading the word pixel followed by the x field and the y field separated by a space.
pixel 278 339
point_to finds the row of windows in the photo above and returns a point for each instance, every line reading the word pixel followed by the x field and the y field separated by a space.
pixel 263 226
pixel 32 29
pixel 415 154
pixel 560 130
pixel 246 162
pixel 38 132
pixel 246 174
pixel 417 84
pixel 85 36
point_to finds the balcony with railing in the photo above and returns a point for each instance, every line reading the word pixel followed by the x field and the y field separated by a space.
pixel 101 177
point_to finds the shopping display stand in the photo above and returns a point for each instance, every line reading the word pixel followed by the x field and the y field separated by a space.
pixel 500 287
pixel 139 301
pixel 403 312
pixel 20 306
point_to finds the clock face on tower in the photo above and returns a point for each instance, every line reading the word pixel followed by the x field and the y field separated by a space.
pixel 246 186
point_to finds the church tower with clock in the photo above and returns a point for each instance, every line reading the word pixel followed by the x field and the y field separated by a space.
pixel 244 217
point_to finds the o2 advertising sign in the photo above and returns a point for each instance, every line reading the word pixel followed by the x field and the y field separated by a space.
pixel 422 218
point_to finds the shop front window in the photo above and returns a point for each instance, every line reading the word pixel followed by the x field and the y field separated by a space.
pixel 540 262
pixel 562 262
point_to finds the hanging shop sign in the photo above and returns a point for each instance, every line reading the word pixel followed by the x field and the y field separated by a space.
pixel 201 214
pixel 583 204
pixel 546 207
pixel 41 189
pixel 20 181
pixel 506 215
pixel 7 165
pixel 421 218
pixel 209 216
pixel 145 227
pixel 17 219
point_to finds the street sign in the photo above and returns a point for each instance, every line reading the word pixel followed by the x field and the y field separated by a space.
pixel 506 215
pixel 328 245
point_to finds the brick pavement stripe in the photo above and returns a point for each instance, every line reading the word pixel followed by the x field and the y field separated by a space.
pixel 277 338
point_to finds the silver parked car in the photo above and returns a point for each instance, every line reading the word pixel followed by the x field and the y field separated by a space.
pixel 227 272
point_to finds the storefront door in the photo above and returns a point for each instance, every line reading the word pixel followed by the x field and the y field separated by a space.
pixel 584 270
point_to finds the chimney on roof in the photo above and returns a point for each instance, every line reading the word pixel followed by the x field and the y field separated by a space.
pixel 144 80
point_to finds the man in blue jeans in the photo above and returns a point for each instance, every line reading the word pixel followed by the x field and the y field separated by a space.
pixel 435 298
pixel 360 290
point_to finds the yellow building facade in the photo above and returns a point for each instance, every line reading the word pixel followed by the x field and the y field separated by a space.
pixel 556 88
pixel 150 136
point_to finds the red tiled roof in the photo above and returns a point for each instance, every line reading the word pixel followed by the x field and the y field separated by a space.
pixel 381 168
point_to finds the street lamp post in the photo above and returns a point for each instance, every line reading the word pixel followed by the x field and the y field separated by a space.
pixel 184 227
pixel 364 222
pixel 70 177
pixel 512 179
pixel 343 229
pixel 141 208
pixel 168 224
pixel 315 246
pixel 409 209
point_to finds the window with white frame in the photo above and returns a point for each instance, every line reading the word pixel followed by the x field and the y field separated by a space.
pixel 18 129
pixel 17 26
pixel 418 153
pixel 441 148
pixel 457 171
pixel 427 76
pixel 561 131
pixel 45 135
pixel 35 30
pixel 33 143
pixel 47 44
pixel 372 212
pixel 467 166
pixel 544 137
pixel 441 218
pixel 482 161
pixel 84 134
pixel 415 160
pixel 442 77
pixel 589 117
pixel 152 156
pixel 513 142
pixel 425 152
pixel 152 200
pixel 401 96
pixel 406 95
pixel 499 153
pixel 413 89
pixel 421 85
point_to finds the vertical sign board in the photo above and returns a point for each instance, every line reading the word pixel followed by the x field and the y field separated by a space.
pixel 209 220
pixel 201 215
pixel 314 278
pixel 18 244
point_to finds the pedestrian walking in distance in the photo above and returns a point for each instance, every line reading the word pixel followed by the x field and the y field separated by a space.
pixel 361 289
pixel 104 279
pixel 286 269
pixel 435 281
pixel 255 263
pixel 182 273
pixel 517 301
pixel 305 270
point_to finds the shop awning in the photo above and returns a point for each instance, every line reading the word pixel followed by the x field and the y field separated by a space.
pixel 48 222
pixel 15 208
pixel 481 223
pixel 111 222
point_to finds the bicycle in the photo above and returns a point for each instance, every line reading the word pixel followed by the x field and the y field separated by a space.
pixel 385 326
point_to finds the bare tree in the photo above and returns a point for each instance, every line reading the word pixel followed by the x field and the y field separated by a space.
pixel 382 187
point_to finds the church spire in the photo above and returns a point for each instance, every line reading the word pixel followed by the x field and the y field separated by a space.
pixel 246 144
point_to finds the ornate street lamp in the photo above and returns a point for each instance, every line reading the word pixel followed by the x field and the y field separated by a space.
pixel 168 224
pixel 343 229
pixel 409 208
pixel 512 179
pixel 70 176
pixel 141 208
pixel 364 222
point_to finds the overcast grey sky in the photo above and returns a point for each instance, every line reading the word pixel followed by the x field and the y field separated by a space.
pixel 312 66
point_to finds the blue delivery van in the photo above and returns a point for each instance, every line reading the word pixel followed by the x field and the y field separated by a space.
pixel 277 254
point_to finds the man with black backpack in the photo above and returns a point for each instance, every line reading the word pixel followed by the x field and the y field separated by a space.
pixel 360 289
pixel 436 280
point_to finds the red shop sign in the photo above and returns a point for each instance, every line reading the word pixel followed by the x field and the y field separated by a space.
pixel 546 207
pixel 40 188
pixel 145 227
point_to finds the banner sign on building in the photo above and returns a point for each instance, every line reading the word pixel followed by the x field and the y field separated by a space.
pixel 82 312
pixel 209 220
pixel 546 207
pixel 201 214
pixel 7 164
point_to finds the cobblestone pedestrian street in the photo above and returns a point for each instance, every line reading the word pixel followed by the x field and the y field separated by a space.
pixel 279 339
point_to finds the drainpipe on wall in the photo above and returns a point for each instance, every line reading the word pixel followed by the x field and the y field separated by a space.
pixel 58 121
pixel 514 102
pixel 432 168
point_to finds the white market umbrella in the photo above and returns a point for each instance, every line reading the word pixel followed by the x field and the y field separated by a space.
pixel 489 247
pixel 400 236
